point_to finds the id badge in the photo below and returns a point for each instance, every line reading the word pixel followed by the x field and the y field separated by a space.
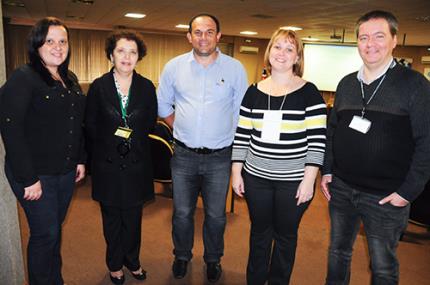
pixel 360 124
pixel 271 131
pixel 123 132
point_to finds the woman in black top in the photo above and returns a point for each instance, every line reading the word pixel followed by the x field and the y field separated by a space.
pixel 41 114
pixel 277 150
pixel 121 111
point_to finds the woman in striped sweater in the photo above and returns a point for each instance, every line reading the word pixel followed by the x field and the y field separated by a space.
pixel 278 148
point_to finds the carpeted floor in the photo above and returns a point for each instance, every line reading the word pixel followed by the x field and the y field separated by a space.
pixel 84 248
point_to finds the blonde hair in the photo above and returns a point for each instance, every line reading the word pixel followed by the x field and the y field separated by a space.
pixel 292 37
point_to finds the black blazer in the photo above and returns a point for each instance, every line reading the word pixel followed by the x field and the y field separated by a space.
pixel 117 180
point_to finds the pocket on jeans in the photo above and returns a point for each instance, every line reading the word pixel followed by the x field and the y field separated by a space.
pixel 389 205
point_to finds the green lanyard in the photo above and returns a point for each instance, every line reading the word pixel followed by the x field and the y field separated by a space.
pixel 124 108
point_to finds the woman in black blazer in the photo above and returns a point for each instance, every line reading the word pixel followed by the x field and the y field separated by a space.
pixel 121 111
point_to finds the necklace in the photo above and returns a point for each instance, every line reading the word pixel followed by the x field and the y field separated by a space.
pixel 282 104
pixel 269 95
pixel 124 97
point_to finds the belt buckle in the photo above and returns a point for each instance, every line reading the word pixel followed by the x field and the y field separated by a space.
pixel 203 150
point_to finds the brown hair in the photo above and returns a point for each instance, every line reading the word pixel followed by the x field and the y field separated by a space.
pixel 293 38
pixel 115 36
pixel 379 14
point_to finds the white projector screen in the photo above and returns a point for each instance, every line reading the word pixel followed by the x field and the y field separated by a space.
pixel 326 65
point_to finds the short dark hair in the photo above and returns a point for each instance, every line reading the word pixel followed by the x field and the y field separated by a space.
pixel 36 38
pixel 379 14
pixel 190 24
pixel 115 36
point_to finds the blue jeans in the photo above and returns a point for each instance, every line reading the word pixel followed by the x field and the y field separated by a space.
pixel 275 219
pixel 208 174
pixel 45 217
pixel 383 225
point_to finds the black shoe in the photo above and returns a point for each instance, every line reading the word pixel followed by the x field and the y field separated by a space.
pixel 179 268
pixel 213 271
pixel 116 280
pixel 139 276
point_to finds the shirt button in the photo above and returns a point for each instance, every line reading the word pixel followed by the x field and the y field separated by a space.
pixel 69 146
pixel 73 104
pixel 68 158
pixel 7 119
pixel 62 95
pixel 46 97
pixel 70 132
pixel 71 117
pixel 68 91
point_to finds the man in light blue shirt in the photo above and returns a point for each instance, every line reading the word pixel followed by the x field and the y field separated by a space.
pixel 199 95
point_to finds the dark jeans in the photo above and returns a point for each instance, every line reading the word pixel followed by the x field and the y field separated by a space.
pixel 122 232
pixel 275 219
pixel 45 217
pixel 208 174
pixel 383 225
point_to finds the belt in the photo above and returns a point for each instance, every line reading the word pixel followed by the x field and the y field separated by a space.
pixel 199 150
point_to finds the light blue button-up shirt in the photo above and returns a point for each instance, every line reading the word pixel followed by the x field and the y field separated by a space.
pixel 206 100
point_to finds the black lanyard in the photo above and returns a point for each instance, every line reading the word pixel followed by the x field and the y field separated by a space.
pixel 365 104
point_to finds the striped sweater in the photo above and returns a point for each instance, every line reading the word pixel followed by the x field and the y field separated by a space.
pixel 301 141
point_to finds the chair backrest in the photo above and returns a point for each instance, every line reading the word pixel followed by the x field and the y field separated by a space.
pixel 162 151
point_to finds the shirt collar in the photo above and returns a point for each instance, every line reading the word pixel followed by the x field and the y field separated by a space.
pixel 360 73
pixel 191 57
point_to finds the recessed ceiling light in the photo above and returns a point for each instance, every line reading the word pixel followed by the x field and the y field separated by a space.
pixel 135 15
pixel 182 26
pixel 292 28
pixel 248 33
pixel 310 39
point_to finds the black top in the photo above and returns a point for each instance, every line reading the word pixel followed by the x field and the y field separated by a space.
pixel 41 125
pixel 394 156
pixel 121 179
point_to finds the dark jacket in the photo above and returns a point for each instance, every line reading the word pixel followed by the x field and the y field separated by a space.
pixel 118 180
pixel 41 125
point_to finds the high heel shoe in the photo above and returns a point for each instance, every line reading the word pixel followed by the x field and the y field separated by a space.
pixel 139 276
pixel 117 280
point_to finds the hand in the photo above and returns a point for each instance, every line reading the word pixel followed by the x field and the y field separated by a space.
pixel 169 120
pixel 237 184
pixel 305 192
pixel 325 181
pixel 80 172
pixel 33 192
pixel 395 200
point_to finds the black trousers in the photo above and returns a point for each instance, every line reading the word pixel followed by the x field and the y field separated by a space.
pixel 275 219
pixel 122 232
